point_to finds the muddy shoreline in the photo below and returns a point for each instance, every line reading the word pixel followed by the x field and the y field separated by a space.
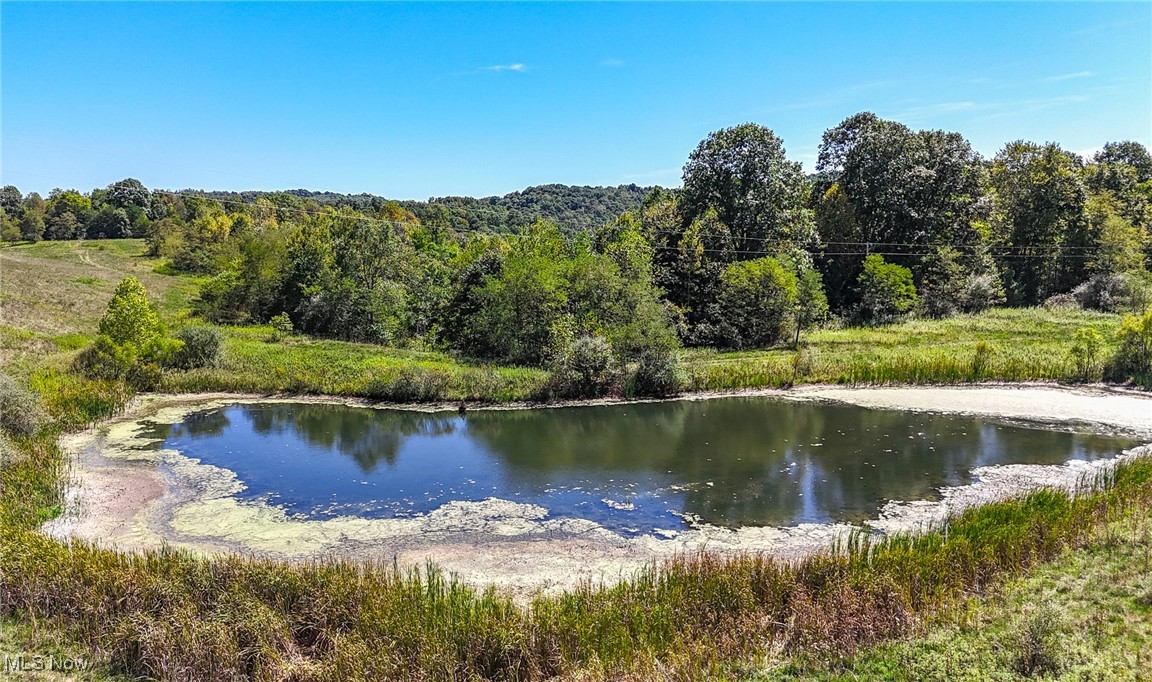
pixel 128 497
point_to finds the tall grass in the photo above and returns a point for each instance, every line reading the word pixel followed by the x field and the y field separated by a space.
pixel 252 365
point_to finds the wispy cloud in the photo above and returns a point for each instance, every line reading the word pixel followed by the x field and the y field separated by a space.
pixel 1067 77
pixel 612 62
pixel 935 110
pixel 505 67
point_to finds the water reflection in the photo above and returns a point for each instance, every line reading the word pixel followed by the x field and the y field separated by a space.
pixel 735 461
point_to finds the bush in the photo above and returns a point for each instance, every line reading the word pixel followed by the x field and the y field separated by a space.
pixel 658 374
pixel 130 318
pixel 106 359
pixel 1085 352
pixel 981 292
pixel 1115 292
pixel 586 369
pixel 201 348
pixel 1061 302
pixel 1037 644
pixel 281 327
pixel 1104 292
pixel 757 302
pixel 1133 359
pixel 20 415
pixel 943 287
pixel 886 290
pixel 131 345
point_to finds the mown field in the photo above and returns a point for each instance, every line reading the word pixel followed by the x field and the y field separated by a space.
pixel 1044 586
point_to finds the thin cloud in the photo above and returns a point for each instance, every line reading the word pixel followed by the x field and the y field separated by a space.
pixel 1067 77
pixel 936 109
pixel 505 67
pixel 612 62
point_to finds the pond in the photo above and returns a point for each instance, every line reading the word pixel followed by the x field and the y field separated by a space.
pixel 635 469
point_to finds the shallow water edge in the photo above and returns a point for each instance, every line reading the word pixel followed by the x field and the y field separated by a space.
pixel 120 497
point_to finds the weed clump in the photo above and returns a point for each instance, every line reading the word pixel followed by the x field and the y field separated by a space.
pixel 1036 645
pixel 20 413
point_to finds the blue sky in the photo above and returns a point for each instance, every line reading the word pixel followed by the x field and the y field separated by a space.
pixel 419 100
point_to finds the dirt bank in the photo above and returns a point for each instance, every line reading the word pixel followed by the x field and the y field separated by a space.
pixel 128 496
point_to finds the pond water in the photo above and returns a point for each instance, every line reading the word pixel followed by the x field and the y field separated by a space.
pixel 634 468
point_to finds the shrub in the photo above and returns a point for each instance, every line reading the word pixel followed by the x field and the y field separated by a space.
pixel 981 292
pixel 943 287
pixel 1036 650
pixel 658 374
pixel 1085 352
pixel 281 327
pixel 1061 302
pixel 106 359
pixel 1105 292
pixel 130 318
pixel 757 302
pixel 1133 359
pixel 20 415
pixel 201 348
pixel 886 290
pixel 586 369
pixel 131 344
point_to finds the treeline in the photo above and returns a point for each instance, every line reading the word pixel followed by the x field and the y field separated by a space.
pixel 748 253
pixel 125 209
pixel 572 208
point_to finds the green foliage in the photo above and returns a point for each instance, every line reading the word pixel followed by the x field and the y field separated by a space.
pixel 1085 352
pixel 1119 244
pixel 743 175
pixel 281 327
pixel 585 369
pixel 658 374
pixel 757 301
pixel 1133 358
pixel 811 301
pixel 131 344
pixel 943 287
pixel 544 291
pixel 200 347
pixel 1040 201
pixel 886 290
pixel 883 183
pixel 130 318
pixel 20 414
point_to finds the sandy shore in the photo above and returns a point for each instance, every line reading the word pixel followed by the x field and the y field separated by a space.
pixel 130 497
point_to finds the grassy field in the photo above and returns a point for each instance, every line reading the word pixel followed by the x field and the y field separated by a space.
pixel 53 294
pixel 1085 616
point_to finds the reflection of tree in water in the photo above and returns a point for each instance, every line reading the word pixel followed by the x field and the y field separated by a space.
pixel 367 436
pixel 770 461
pixel 201 424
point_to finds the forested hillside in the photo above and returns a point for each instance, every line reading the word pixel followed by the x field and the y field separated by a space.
pixel 573 208
pixel 749 253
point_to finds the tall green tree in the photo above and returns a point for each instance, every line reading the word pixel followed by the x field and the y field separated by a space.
pixel 888 188
pixel 1040 198
pixel 742 173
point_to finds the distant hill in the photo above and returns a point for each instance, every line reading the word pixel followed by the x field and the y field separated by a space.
pixel 574 208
